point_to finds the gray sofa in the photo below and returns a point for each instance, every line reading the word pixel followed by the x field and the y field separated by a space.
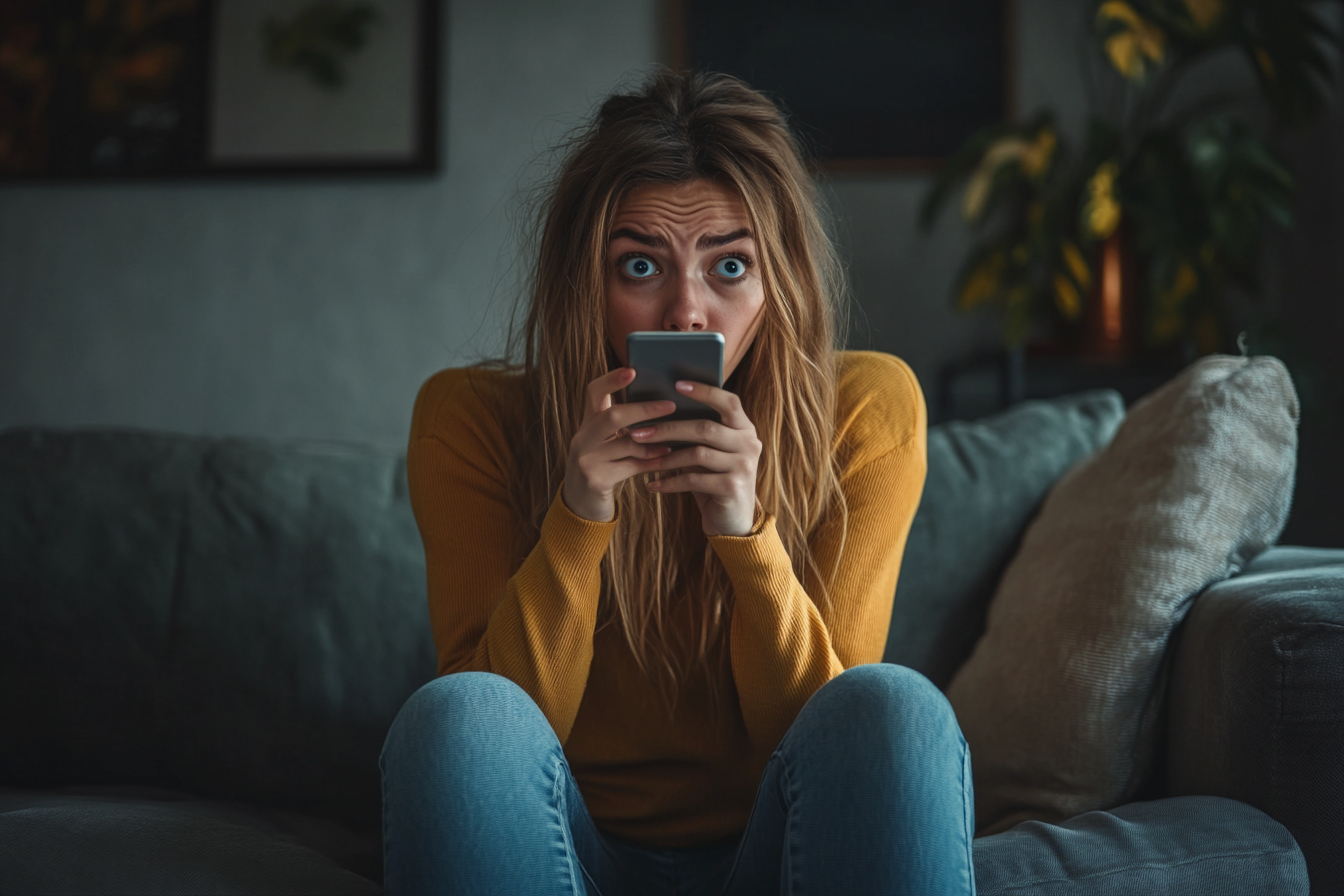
pixel 203 642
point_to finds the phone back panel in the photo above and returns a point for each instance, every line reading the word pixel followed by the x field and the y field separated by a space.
pixel 660 359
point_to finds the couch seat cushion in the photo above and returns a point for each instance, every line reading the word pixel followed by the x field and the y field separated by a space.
pixel 1194 845
pixel 117 841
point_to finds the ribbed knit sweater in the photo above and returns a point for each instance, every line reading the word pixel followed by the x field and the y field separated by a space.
pixel 688 774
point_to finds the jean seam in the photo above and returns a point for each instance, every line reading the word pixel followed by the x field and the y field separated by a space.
pixel 967 815
pixel 557 801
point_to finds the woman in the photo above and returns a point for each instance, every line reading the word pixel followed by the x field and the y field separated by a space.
pixel 643 650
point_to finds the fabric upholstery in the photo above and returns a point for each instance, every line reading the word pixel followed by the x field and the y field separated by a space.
pixel 1062 697
pixel 1186 846
pixel 68 844
pixel 986 479
pixel 229 617
pixel 1257 700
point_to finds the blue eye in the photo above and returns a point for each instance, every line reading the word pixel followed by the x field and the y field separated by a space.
pixel 730 268
pixel 638 267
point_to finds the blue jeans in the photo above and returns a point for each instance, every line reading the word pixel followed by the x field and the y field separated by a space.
pixel 868 792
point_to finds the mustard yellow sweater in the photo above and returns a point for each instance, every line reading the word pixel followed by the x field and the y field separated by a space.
pixel 664 777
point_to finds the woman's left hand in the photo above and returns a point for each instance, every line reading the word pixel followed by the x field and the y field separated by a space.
pixel 720 470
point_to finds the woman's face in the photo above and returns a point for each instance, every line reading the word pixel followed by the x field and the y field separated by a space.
pixel 682 257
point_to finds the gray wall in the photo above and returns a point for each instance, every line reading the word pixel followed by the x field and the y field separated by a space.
pixel 315 309
pixel 306 309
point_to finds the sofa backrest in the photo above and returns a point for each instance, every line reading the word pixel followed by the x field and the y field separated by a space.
pixel 986 479
pixel 242 619
pixel 239 619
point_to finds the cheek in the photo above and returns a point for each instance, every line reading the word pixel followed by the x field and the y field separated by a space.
pixel 623 318
pixel 741 327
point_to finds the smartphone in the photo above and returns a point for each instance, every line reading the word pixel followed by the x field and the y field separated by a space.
pixel 661 358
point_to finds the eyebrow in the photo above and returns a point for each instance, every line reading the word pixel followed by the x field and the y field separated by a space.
pixel 710 241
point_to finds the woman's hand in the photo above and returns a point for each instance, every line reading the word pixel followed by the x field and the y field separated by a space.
pixel 601 454
pixel 720 471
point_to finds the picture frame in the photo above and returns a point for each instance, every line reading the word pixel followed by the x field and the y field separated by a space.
pixel 869 86
pixel 155 89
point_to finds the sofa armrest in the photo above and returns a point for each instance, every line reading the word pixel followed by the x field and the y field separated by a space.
pixel 1257 700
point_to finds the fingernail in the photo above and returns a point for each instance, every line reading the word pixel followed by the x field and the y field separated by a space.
pixel 683 386
pixel 641 433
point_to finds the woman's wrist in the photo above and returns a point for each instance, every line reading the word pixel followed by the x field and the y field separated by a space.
pixel 584 506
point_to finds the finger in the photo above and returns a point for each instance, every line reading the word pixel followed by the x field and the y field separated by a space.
pixel 620 416
pixel 726 403
pixel 701 432
pixel 700 457
pixel 721 484
pixel 624 449
pixel 600 390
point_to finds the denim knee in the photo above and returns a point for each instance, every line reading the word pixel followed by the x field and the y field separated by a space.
pixel 470 714
pixel 885 707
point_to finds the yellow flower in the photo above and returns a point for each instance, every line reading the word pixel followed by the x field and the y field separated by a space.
pixel 1037 157
pixel 1077 265
pixel 983 283
pixel 1066 297
pixel 1137 45
pixel 1205 13
pixel 1101 210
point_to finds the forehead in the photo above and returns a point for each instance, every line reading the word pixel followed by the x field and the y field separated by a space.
pixel 697 203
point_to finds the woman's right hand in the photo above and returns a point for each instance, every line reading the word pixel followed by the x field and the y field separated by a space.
pixel 602 455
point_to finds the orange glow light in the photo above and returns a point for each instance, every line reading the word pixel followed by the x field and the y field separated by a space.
pixel 1110 290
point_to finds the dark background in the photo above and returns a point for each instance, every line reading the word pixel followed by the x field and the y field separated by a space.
pixel 314 308
pixel 864 79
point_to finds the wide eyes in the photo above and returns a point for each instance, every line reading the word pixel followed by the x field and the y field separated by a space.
pixel 638 267
pixel 730 268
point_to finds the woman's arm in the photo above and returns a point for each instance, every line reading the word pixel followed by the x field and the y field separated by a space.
pixel 533 621
pixel 787 640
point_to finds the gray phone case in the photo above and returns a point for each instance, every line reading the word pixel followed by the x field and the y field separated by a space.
pixel 662 358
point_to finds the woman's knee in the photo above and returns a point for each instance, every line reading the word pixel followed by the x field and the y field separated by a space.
pixel 888 707
pixel 469 713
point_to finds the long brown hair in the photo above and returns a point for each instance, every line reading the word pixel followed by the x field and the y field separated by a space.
pixel 681 127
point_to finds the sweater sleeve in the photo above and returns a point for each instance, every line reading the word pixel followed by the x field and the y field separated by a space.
pixel 530 621
pixel 788 638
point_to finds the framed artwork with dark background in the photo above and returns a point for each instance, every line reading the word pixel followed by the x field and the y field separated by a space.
pixel 110 89
pixel 870 85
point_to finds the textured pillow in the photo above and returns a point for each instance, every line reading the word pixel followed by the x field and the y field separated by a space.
pixel 1060 699
pixel 986 480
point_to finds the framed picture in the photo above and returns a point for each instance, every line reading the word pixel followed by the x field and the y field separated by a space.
pixel 93 89
pixel 869 85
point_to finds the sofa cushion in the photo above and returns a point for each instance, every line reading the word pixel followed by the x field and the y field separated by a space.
pixel 1194 845
pixel 1257 700
pixel 1061 699
pixel 985 480
pixel 68 843
pixel 235 618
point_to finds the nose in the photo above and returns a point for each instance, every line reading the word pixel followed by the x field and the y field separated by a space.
pixel 686 306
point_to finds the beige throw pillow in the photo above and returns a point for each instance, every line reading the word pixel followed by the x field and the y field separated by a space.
pixel 1060 699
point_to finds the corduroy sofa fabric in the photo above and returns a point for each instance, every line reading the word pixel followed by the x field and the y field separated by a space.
pixel 1061 699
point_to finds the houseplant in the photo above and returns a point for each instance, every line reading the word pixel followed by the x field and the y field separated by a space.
pixel 1144 231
